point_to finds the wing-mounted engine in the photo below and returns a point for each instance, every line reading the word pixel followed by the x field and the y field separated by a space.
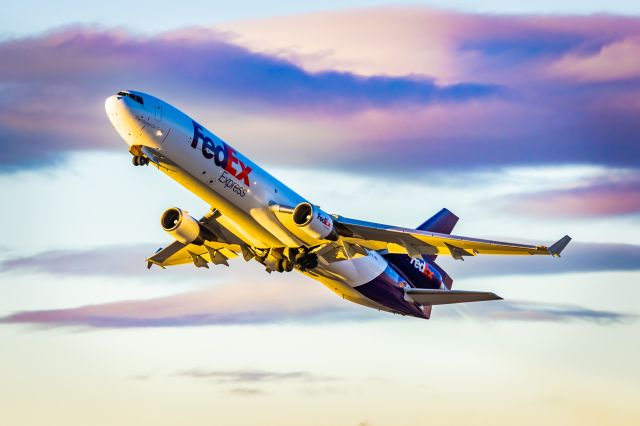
pixel 314 222
pixel 181 226
pixel 199 242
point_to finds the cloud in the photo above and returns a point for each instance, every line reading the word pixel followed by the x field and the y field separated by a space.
pixel 93 317
pixel 605 196
pixel 251 382
pixel 548 119
pixel 444 44
pixel 256 305
pixel 528 311
pixel 425 90
pixel 229 303
pixel 596 66
pixel 54 85
pixel 127 260
pixel 212 66
pixel 247 391
pixel 251 376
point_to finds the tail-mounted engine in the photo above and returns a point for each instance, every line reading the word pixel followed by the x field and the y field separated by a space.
pixel 181 226
pixel 314 222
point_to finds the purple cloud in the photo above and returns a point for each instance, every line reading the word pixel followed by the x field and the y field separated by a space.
pixel 129 258
pixel 222 305
pixel 519 90
pixel 55 85
pixel 528 311
pixel 204 63
pixel 603 197
pixel 225 305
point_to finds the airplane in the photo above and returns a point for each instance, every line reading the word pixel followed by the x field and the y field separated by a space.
pixel 254 215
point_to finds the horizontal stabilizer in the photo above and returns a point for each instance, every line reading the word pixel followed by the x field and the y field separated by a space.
pixel 425 296
pixel 557 247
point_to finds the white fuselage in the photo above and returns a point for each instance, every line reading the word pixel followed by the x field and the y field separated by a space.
pixel 238 188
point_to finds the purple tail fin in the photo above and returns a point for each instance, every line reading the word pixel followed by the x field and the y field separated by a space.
pixel 425 272
pixel 441 222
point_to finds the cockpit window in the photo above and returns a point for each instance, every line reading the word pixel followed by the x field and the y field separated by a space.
pixel 136 98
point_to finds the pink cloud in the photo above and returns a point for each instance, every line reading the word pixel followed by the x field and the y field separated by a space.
pixel 446 45
pixel 223 306
pixel 605 197
pixel 615 61
pixel 229 303
pixel 387 91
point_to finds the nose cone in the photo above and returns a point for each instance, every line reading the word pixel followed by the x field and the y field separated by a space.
pixel 124 118
pixel 111 107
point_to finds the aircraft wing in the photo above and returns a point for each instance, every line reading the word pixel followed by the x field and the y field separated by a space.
pixel 178 253
pixel 220 245
pixel 415 243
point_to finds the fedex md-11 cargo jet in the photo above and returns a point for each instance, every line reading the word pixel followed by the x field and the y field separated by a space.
pixel 256 216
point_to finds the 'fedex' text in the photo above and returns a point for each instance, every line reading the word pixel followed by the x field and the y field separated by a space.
pixel 222 154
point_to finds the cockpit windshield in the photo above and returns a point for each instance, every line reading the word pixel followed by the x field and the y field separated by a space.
pixel 136 98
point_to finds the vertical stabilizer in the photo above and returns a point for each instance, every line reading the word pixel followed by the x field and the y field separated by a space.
pixel 442 222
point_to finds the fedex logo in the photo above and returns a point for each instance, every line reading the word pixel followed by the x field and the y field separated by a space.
pixel 422 266
pixel 222 154
pixel 325 220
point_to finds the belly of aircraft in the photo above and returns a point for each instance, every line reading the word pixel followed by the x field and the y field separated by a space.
pixel 369 281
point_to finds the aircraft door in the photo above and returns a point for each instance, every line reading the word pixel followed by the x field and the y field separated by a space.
pixel 158 112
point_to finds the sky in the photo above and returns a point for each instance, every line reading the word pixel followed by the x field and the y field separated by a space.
pixel 520 117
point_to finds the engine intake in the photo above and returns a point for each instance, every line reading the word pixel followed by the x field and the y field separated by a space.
pixel 181 226
pixel 314 222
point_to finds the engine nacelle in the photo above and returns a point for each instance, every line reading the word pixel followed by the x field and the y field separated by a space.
pixel 314 222
pixel 181 226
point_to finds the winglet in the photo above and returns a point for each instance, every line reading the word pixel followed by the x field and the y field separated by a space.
pixel 557 247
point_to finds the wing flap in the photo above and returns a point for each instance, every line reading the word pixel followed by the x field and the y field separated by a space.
pixel 446 297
